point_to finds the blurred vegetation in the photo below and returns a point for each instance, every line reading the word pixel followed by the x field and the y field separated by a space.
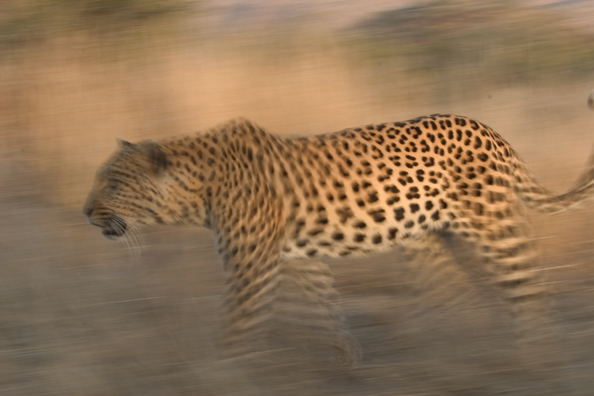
pixel 501 42
pixel 113 22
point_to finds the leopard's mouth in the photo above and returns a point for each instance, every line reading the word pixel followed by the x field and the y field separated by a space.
pixel 112 233
pixel 112 228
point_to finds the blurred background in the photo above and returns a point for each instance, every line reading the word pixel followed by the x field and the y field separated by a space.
pixel 81 316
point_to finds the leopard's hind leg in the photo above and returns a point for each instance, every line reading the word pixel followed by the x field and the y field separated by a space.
pixel 506 251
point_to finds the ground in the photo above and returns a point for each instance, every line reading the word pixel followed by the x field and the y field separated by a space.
pixel 83 316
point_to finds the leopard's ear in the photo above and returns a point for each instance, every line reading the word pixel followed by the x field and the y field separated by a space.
pixel 155 155
pixel 124 143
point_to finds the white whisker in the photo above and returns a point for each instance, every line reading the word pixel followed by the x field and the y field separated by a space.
pixel 122 229
pixel 136 241
pixel 133 238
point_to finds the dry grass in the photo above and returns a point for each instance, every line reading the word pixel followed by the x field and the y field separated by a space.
pixel 79 318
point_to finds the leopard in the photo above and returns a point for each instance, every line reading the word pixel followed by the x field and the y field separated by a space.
pixel 279 206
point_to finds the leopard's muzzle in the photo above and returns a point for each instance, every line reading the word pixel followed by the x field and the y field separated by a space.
pixel 112 226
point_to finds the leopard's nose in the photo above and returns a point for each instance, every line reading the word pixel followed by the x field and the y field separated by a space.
pixel 88 211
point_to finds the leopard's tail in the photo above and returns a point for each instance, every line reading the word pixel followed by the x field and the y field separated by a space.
pixel 539 198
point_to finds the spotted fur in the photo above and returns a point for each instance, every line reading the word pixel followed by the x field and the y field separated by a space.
pixel 272 201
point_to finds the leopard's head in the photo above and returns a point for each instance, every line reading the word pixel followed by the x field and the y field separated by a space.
pixel 128 189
